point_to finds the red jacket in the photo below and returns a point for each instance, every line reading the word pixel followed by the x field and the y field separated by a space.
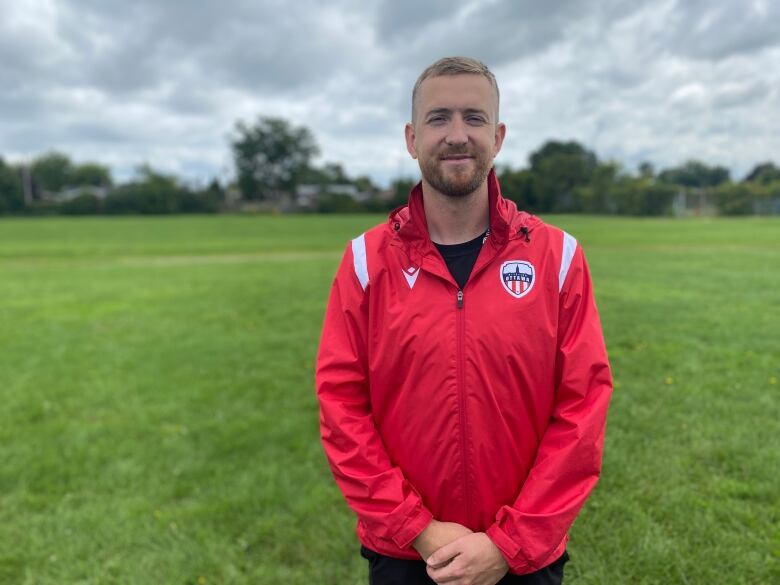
pixel 484 406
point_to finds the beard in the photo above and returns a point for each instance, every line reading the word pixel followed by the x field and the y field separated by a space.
pixel 457 182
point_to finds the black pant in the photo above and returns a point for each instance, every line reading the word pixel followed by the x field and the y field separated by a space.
pixel 383 570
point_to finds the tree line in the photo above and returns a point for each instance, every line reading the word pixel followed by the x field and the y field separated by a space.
pixel 275 169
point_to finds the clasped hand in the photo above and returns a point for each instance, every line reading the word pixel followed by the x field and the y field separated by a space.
pixel 465 558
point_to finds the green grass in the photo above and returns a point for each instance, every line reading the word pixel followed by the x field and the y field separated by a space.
pixel 159 424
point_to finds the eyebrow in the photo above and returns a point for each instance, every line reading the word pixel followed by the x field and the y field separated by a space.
pixel 449 111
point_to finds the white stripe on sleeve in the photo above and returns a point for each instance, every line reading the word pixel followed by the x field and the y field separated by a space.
pixel 569 246
pixel 359 259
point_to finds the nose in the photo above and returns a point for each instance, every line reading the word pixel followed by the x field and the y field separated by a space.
pixel 457 132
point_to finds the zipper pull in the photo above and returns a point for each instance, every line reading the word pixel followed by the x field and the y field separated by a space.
pixel 460 299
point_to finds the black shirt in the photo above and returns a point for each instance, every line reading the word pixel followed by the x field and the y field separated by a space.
pixel 460 258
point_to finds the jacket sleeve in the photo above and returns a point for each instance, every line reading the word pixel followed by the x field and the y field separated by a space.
pixel 377 491
pixel 568 461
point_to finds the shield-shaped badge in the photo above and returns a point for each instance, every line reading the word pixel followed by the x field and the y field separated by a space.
pixel 517 276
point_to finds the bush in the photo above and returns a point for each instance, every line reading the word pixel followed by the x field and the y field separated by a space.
pixel 625 195
pixel 121 202
pixel 42 207
pixel 651 198
pixel 146 199
pixel 197 202
pixel 84 204
pixel 337 203
pixel 735 198
pixel 11 194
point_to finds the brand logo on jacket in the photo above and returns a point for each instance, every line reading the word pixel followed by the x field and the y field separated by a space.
pixel 411 275
pixel 517 276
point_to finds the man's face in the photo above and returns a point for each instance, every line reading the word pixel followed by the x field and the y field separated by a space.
pixel 455 135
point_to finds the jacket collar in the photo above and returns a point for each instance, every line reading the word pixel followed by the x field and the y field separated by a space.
pixel 410 227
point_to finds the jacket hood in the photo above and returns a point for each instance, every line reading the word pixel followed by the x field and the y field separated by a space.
pixel 408 222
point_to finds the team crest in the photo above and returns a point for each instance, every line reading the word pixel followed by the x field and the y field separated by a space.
pixel 517 276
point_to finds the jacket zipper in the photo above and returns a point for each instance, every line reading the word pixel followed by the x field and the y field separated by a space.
pixel 460 333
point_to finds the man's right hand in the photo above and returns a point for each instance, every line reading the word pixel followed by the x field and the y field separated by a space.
pixel 436 535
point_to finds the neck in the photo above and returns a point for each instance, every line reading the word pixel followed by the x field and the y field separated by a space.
pixel 454 220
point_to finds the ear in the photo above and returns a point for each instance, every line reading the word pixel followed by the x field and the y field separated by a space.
pixel 410 136
pixel 499 138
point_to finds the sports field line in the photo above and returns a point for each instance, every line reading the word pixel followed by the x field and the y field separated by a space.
pixel 227 258
pixel 175 260
pixel 169 260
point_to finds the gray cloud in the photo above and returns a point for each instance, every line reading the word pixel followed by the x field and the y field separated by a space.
pixel 268 46
pixel 401 20
pixel 718 30
pixel 164 81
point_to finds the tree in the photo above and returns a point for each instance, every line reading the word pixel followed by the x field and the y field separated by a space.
pixel 695 173
pixel 336 173
pixel 151 193
pixel 560 168
pixel 599 195
pixel 401 189
pixel 328 174
pixel 270 156
pixel 216 191
pixel 52 171
pixel 364 184
pixel 518 185
pixel 90 173
pixel 764 174
pixel 11 194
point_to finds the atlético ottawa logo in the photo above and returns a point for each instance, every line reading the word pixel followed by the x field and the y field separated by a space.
pixel 517 276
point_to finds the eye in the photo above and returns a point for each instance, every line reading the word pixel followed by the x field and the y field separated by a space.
pixel 436 119
pixel 475 119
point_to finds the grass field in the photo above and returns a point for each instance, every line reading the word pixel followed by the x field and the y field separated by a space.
pixel 159 423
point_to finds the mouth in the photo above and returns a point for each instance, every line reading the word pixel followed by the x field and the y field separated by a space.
pixel 455 158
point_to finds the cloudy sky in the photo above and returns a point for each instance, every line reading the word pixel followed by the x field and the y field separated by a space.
pixel 164 81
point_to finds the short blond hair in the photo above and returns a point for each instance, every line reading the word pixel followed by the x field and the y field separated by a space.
pixel 454 66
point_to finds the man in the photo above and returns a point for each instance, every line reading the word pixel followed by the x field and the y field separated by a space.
pixel 462 376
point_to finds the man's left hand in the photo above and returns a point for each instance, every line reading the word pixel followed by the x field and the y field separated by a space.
pixel 472 559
